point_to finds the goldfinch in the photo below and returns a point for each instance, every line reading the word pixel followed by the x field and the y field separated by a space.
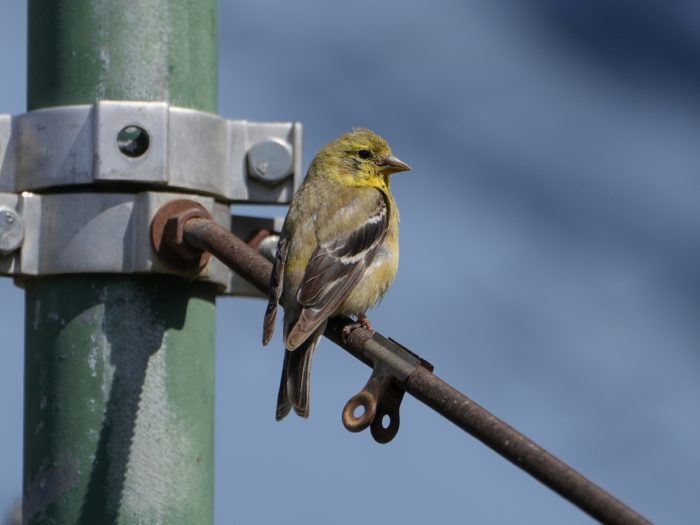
pixel 337 254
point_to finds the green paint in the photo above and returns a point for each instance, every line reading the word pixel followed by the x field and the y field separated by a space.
pixel 81 51
pixel 119 380
pixel 119 393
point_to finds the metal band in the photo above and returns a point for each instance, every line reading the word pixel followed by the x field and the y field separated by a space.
pixel 49 223
pixel 103 233
pixel 154 144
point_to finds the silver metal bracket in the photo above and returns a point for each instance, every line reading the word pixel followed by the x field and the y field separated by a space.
pixel 64 233
pixel 80 185
pixel 150 143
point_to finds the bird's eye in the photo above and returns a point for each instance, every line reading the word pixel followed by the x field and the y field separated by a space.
pixel 364 154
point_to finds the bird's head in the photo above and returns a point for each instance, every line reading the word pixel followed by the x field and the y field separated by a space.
pixel 358 158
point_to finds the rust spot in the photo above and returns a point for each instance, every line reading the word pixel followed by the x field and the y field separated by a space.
pixel 167 236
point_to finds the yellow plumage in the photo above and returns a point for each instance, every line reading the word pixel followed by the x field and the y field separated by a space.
pixel 338 252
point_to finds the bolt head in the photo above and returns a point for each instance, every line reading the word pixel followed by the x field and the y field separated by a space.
pixel 11 230
pixel 270 161
pixel 268 247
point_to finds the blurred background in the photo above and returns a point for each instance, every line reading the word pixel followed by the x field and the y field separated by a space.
pixel 550 255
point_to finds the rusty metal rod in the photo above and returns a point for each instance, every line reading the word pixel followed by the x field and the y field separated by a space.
pixel 425 386
pixel 208 235
pixel 519 450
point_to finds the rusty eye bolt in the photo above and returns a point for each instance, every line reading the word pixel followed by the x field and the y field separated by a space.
pixel 184 235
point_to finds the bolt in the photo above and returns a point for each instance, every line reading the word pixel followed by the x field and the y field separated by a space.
pixel 11 230
pixel 270 161
pixel 265 242
pixel 268 247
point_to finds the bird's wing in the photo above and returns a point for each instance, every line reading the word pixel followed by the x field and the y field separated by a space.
pixel 275 289
pixel 335 268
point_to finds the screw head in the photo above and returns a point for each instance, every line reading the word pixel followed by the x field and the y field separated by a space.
pixel 11 230
pixel 270 161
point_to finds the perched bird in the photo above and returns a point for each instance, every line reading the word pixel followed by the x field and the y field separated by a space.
pixel 337 254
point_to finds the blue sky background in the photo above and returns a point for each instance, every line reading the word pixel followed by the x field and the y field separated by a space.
pixel 550 260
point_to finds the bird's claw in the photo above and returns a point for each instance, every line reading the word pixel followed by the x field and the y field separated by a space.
pixel 362 322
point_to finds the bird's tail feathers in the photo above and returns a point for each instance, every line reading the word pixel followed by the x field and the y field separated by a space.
pixel 295 384
pixel 284 404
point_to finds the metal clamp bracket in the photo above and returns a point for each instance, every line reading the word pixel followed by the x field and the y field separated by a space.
pixel 61 233
pixel 150 143
pixel 134 157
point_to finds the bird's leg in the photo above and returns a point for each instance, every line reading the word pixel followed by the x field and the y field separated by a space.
pixel 361 322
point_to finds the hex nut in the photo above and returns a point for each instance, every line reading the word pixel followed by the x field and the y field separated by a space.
pixel 167 235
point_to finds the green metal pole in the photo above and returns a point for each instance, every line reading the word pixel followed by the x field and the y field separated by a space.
pixel 81 51
pixel 119 369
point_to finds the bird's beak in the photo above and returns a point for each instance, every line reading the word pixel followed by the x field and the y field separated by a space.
pixel 391 164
